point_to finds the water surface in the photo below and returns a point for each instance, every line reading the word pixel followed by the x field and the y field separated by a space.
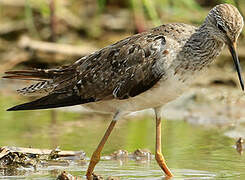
pixel 192 152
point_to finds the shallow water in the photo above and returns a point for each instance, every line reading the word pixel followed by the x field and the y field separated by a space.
pixel 191 151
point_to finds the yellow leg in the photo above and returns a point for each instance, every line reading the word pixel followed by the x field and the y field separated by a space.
pixel 158 154
pixel 96 155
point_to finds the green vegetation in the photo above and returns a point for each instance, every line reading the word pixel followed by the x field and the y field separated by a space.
pixel 152 13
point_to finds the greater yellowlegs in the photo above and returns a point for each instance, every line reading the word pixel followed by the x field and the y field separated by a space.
pixel 146 70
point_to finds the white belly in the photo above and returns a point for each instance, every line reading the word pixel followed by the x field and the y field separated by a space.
pixel 163 92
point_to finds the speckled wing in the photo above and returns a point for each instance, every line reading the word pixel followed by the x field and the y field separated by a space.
pixel 122 70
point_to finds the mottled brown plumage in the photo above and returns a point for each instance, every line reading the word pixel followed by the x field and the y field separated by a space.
pixel 145 70
pixel 122 70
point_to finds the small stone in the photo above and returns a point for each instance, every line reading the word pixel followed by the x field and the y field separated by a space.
pixel 119 154
pixel 142 154
pixel 97 177
pixel 66 176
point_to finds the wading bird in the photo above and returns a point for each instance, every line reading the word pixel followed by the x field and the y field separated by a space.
pixel 146 70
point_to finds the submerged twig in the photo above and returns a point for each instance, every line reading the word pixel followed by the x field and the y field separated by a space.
pixel 38 151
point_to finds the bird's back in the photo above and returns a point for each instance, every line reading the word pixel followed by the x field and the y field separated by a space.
pixel 119 71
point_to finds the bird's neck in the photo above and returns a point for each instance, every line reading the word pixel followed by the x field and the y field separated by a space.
pixel 200 50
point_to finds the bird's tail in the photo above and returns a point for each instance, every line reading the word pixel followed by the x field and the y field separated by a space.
pixel 56 85
pixel 46 80
pixel 42 87
pixel 52 101
pixel 36 74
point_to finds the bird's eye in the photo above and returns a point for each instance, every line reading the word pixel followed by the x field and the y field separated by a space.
pixel 221 28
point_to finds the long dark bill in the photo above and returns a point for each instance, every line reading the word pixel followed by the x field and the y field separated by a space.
pixel 232 48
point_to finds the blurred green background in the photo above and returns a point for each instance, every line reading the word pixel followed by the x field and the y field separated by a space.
pixel 87 25
pixel 198 141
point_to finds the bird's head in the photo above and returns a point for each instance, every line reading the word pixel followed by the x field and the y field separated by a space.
pixel 225 24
